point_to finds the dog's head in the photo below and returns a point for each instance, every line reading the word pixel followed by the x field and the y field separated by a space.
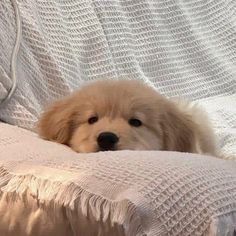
pixel 117 115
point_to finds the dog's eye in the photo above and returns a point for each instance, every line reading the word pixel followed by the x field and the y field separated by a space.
pixel 135 122
pixel 92 120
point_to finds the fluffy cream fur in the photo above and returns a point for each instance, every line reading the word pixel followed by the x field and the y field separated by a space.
pixel 173 125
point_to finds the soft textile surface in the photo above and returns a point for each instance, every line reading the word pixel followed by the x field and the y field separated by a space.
pixel 47 189
pixel 185 48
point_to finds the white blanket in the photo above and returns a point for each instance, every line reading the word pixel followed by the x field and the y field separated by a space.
pixel 185 48
pixel 46 189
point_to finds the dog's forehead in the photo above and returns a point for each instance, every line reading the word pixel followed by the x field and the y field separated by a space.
pixel 119 98
pixel 116 106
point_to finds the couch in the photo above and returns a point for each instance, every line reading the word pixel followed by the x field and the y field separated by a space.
pixel 181 48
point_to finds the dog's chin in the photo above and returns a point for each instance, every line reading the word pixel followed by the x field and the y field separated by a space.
pixel 89 148
pixel 120 148
pixel 97 149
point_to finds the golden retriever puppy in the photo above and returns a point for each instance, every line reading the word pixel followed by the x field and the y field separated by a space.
pixel 126 114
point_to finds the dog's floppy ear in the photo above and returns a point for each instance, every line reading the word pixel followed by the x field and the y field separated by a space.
pixel 56 123
pixel 178 131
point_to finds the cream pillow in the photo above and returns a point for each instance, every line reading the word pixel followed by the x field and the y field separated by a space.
pixel 47 189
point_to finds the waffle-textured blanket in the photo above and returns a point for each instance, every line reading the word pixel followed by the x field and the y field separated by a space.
pixel 47 189
pixel 183 47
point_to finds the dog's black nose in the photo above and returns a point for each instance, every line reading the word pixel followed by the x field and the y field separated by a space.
pixel 107 140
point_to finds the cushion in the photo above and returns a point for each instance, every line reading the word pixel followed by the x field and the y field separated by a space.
pixel 180 48
pixel 47 189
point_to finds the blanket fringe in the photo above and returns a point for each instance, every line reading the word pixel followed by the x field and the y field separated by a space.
pixel 49 194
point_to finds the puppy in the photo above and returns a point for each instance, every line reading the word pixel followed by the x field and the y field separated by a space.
pixel 126 114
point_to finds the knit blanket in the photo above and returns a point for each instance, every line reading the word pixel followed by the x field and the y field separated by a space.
pixel 47 189
pixel 182 48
